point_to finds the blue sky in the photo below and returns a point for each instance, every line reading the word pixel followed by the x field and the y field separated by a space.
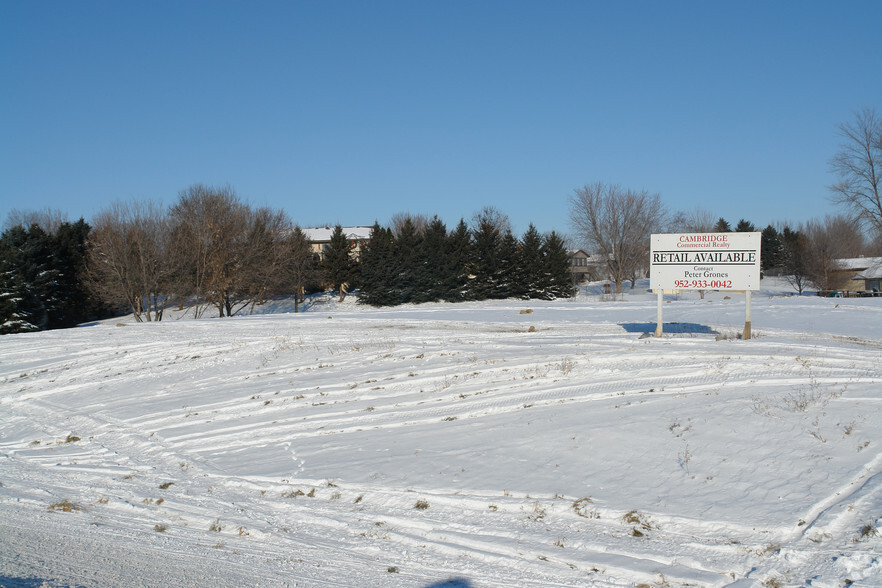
pixel 352 112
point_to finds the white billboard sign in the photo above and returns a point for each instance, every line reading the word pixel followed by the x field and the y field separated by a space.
pixel 705 261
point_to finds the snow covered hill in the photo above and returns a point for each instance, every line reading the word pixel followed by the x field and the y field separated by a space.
pixel 483 444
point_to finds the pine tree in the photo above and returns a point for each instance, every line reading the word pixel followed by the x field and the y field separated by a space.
pixel 18 312
pixel 411 280
pixel 722 226
pixel 795 254
pixel 434 247
pixel 458 263
pixel 744 226
pixel 379 269
pixel 509 270
pixel 487 246
pixel 532 282
pixel 771 249
pixel 16 315
pixel 559 279
pixel 69 246
pixel 337 263
pixel 301 269
pixel 28 280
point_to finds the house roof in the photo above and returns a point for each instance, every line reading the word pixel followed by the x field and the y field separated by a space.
pixel 317 234
pixel 874 272
pixel 858 263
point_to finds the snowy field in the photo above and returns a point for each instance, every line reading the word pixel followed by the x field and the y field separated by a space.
pixel 483 444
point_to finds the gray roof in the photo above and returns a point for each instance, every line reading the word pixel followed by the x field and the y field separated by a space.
pixel 874 272
pixel 858 263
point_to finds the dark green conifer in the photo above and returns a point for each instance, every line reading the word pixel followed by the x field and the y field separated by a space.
pixel 337 262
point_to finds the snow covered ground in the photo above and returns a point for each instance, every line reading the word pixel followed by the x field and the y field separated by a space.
pixel 483 444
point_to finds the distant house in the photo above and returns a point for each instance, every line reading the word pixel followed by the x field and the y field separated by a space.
pixel 855 270
pixel 869 270
pixel 319 237
pixel 583 266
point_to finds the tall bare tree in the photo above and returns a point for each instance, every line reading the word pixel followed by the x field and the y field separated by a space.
pixel 263 267
pixel 859 167
pixel 827 242
pixel 209 228
pixel 616 223
pixel 696 220
pixel 419 222
pixel 230 255
pixel 48 219
pixel 129 258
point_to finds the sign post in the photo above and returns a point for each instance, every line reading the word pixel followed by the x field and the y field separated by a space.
pixel 705 261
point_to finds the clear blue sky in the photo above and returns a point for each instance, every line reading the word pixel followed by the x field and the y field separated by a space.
pixel 351 112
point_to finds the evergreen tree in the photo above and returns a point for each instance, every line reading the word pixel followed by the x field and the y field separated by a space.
pixel 29 288
pixel 17 309
pixel 486 258
pixel 41 286
pixel 795 258
pixel 379 269
pixel 301 268
pixel 411 281
pixel 771 249
pixel 338 266
pixel 722 226
pixel 533 271
pixel 744 226
pixel 69 244
pixel 556 260
pixel 458 263
pixel 509 272
pixel 434 247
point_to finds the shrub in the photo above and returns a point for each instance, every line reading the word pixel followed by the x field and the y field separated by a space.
pixel 66 506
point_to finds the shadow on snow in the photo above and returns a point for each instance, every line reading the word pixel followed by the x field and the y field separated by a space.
pixel 687 328
pixel 452 583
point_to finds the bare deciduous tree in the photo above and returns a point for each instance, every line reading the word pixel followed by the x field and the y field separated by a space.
pixel 209 227
pixel 419 222
pixel 694 221
pixel 263 259
pixel 128 258
pixel 47 219
pixel 229 255
pixel 827 242
pixel 616 223
pixel 859 167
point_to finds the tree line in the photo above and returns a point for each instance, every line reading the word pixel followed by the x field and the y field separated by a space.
pixel 211 251
pixel 418 260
